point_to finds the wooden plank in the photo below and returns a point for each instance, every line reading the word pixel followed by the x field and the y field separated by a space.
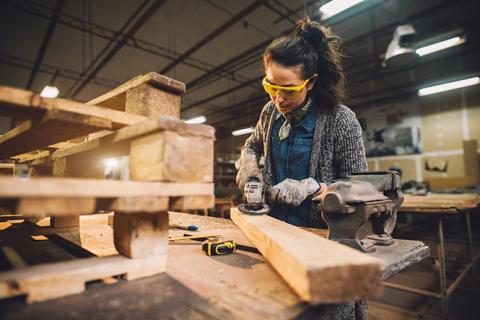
pixel 169 156
pixel 118 143
pixel 116 98
pixel 55 280
pixel 52 127
pixel 317 269
pixel 23 103
pixel 71 187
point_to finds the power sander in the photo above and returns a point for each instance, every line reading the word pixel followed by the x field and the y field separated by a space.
pixel 254 198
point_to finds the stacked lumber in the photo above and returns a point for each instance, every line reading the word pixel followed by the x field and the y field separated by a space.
pixel 65 144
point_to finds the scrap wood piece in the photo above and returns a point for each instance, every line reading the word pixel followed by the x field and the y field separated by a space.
pixel 317 269
pixel 55 280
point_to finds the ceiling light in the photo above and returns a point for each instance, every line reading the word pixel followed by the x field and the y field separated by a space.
pixel 449 86
pixel 50 92
pixel 455 41
pixel 334 7
pixel 400 50
pixel 197 120
pixel 242 131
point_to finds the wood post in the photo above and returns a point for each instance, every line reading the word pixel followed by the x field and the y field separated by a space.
pixel 141 235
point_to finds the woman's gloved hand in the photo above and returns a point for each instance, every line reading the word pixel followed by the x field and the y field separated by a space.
pixel 247 168
pixel 293 192
pixel 320 194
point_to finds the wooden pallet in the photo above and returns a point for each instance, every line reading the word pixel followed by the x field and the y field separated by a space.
pixel 171 163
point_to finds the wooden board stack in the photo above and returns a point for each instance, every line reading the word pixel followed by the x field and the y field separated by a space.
pixel 171 167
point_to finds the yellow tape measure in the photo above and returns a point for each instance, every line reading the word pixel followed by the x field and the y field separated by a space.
pixel 216 247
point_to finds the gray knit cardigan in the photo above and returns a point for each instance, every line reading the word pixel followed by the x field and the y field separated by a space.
pixel 337 147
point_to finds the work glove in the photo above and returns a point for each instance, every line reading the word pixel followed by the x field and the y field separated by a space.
pixel 293 192
pixel 247 168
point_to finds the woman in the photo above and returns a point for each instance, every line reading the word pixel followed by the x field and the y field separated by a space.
pixel 307 137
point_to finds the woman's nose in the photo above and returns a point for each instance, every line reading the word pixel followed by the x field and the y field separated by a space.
pixel 278 99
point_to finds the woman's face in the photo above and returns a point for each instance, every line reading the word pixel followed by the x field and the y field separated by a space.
pixel 287 77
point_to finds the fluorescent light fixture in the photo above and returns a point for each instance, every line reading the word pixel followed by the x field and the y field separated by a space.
pixel 49 92
pixel 455 41
pixel 449 86
pixel 200 119
pixel 334 7
pixel 242 131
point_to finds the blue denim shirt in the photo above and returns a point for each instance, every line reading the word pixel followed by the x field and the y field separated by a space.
pixel 291 159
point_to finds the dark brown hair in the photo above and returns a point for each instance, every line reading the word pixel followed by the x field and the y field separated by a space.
pixel 317 50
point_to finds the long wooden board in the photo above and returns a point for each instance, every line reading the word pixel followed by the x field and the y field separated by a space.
pixel 317 269
pixel 26 104
pixel 71 188
pixel 52 127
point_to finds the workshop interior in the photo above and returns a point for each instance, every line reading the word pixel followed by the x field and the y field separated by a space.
pixel 256 159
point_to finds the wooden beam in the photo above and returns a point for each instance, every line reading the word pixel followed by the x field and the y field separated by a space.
pixel 317 269
pixel 52 127
pixel 116 98
pixel 27 104
pixel 141 235
pixel 169 156
pixel 71 187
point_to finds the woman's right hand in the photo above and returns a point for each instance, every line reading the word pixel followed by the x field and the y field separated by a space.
pixel 247 168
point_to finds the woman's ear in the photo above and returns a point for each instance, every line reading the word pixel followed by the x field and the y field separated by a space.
pixel 312 82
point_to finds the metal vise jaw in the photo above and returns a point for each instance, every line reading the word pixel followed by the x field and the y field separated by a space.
pixel 361 211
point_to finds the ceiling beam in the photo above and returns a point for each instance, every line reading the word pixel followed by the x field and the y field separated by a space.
pixel 385 28
pixel 45 42
pixel 124 34
pixel 26 64
pixel 42 11
pixel 215 33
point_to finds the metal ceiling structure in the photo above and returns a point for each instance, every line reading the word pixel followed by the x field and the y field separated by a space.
pixel 215 47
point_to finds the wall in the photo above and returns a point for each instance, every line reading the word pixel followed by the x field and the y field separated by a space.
pixel 444 121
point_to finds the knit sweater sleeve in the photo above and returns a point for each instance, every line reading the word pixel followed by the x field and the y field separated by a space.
pixel 349 151
pixel 254 143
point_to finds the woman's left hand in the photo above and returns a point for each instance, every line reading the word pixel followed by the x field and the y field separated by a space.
pixel 318 196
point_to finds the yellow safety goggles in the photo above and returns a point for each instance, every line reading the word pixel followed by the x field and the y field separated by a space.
pixel 286 92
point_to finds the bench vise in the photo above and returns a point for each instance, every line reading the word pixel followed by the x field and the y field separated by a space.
pixel 361 211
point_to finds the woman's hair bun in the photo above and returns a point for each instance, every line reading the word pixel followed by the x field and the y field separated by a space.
pixel 312 32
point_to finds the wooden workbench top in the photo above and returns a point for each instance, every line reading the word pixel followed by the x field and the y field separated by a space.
pixel 237 286
pixel 440 203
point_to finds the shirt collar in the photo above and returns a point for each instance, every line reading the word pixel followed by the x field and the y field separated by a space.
pixel 308 123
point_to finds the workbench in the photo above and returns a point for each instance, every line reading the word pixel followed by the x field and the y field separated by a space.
pixel 236 286
pixel 441 207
